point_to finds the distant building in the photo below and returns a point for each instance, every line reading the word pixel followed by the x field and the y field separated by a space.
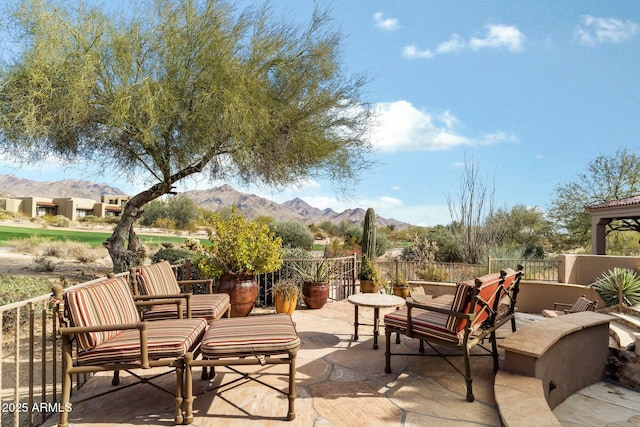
pixel 73 208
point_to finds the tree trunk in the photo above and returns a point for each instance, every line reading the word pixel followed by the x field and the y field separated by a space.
pixel 133 255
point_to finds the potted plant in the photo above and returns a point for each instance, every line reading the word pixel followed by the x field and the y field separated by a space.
pixel 400 286
pixel 315 285
pixel 369 276
pixel 285 294
pixel 238 251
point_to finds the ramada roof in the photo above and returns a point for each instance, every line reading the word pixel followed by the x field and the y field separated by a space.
pixel 627 201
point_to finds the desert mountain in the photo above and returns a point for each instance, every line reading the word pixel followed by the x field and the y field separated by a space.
pixel 11 185
pixel 250 205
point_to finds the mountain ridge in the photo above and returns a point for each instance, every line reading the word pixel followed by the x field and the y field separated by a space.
pixel 215 199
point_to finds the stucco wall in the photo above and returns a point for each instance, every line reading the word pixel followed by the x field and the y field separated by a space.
pixel 586 269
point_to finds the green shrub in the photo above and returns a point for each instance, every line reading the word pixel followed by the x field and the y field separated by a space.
pixel 609 287
pixel 294 234
pixel 14 289
pixel 432 273
pixel 175 256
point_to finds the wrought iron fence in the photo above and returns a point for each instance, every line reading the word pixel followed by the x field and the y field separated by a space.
pixel 534 269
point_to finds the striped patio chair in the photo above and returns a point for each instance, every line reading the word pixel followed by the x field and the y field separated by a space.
pixel 581 304
pixel 101 319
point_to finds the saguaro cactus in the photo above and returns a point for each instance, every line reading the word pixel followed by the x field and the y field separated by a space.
pixel 369 235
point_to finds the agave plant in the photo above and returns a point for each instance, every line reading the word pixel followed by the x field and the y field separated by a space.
pixel 620 285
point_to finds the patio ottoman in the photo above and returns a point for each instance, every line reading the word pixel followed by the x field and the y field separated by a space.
pixel 254 340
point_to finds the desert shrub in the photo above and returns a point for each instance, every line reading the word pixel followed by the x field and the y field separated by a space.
pixel 609 287
pixel 296 253
pixel 14 289
pixel 432 273
pixel 294 234
pixel 45 263
pixel 54 249
pixel 28 245
pixel 57 221
pixel 83 252
pixel 174 255
pixel 165 224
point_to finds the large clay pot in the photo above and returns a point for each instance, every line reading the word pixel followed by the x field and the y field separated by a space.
pixel 315 294
pixel 242 290
pixel 368 287
pixel 285 305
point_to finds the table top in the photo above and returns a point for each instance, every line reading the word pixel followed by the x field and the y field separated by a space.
pixel 376 300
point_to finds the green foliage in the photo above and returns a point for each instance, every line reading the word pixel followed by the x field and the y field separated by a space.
pixel 605 178
pixel 314 271
pixel 175 256
pixel 420 250
pixel 382 244
pixel 14 289
pixel 296 253
pixel 433 273
pixel 287 288
pixel 179 212
pixel 369 271
pixel 616 282
pixel 443 237
pixel 240 247
pixel 369 234
pixel 294 234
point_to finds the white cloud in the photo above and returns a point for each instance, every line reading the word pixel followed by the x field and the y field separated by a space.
pixel 497 37
pixel 412 51
pixel 454 44
pixel 594 31
pixel 401 126
pixel 389 24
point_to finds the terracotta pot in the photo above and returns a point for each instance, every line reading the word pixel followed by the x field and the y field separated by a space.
pixel 242 290
pixel 286 305
pixel 315 294
pixel 368 287
pixel 401 291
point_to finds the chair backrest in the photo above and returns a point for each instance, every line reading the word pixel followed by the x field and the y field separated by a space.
pixel 157 279
pixel 583 304
pixel 481 296
pixel 100 303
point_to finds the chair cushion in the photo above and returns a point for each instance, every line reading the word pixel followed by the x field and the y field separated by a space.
pixel 158 279
pixel 108 302
pixel 460 303
pixel 253 335
pixel 424 323
pixel 165 339
pixel 206 306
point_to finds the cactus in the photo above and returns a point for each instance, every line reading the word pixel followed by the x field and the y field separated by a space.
pixel 369 235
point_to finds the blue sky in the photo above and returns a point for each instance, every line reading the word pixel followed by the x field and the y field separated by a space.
pixel 530 90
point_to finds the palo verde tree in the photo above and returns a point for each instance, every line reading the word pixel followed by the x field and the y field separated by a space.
pixel 173 88
pixel 605 178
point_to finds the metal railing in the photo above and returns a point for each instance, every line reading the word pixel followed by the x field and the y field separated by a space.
pixel 30 372
pixel 30 377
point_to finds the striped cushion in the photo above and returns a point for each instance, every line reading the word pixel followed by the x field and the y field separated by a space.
pixel 165 339
pixel 460 303
pixel 253 335
pixel 158 279
pixel 108 302
pixel 424 323
pixel 582 304
pixel 209 307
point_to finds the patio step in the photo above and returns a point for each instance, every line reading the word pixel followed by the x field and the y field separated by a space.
pixel 632 322
pixel 622 334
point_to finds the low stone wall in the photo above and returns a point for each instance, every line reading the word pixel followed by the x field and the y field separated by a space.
pixel 565 354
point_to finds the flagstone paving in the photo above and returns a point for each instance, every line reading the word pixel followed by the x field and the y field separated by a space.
pixel 339 383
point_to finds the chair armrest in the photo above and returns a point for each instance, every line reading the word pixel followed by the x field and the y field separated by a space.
pixel 561 306
pixel 140 326
pixel 189 283
pixel 177 299
pixel 425 306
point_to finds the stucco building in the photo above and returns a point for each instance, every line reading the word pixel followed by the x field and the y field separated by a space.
pixel 73 208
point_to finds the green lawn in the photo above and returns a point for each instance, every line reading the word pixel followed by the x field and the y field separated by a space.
pixel 95 239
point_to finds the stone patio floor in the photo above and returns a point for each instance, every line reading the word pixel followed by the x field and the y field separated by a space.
pixel 342 383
